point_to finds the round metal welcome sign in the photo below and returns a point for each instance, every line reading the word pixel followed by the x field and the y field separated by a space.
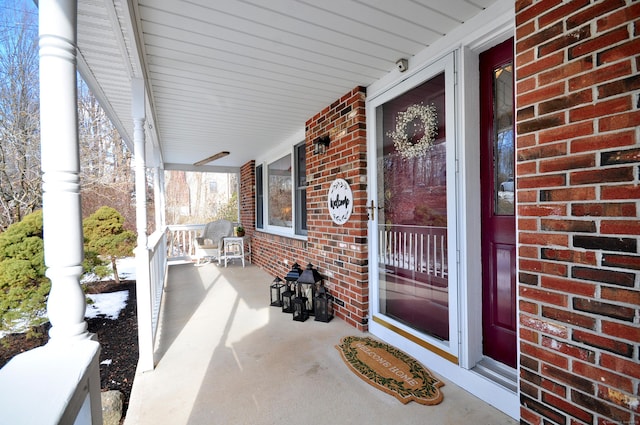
pixel 340 201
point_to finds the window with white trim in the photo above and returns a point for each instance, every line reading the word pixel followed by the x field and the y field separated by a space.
pixel 281 194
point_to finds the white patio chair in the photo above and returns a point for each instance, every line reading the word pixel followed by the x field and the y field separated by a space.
pixel 210 243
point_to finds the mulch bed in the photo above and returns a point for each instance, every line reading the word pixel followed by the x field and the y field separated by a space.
pixel 118 340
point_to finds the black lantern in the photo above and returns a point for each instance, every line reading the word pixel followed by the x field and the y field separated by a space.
pixel 276 292
pixel 300 312
pixel 309 281
pixel 292 276
pixel 287 301
pixel 294 273
pixel 290 292
pixel 323 305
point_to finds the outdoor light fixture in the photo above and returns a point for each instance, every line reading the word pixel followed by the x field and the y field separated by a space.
pixel 212 158
pixel 321 144
pixel 276 292
pixel 309 282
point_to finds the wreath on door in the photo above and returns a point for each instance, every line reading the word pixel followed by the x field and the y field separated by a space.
pixel 428 119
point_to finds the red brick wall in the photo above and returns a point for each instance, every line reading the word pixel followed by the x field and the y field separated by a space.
pixel 248 196
pixel 269 251
pixel 578 152
pixel 339 252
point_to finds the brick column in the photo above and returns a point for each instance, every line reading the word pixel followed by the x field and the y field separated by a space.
pixel 248 196
pixel 578 151
pixel 340 252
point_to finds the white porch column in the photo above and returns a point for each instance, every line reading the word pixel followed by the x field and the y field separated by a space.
pixel 62 214
pixel 139 116
pixel 65 373
pixel 163 194
pixel 158 191
pixel 143 257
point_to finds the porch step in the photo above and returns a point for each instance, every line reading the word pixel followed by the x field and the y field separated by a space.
pixel 498 373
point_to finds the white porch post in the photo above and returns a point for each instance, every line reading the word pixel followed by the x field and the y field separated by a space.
pixel 62 213
pixel 159 201
pixel 163 193
pixel 143 257
pixel 65 372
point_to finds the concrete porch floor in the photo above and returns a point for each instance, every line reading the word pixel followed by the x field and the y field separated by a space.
pixel 224 356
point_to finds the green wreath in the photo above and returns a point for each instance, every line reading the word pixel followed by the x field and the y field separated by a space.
pixel 429 119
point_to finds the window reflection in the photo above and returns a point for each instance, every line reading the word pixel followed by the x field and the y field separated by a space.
pixel 412 225
pixel 504 147
pixel 280 198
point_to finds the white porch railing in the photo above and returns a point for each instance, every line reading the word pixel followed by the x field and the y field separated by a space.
pixel 414 251
pixel 181 240
pixel 151 270
pixel 171 242
pixel 63 380
pixel 157 272
pixel 70 394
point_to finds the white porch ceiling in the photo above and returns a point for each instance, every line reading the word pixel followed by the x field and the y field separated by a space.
pixel 245 75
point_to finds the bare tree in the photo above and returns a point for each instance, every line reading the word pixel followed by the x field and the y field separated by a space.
pixel 198 197
pixel 20 177
pixel 106 173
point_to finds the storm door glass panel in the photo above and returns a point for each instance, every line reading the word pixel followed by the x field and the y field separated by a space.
pixel 504 146
pixel 280 192
pixel 412 197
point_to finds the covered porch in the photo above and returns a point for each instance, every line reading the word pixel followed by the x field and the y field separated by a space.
pixel 223 355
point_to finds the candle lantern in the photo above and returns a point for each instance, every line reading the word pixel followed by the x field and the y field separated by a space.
pixel 276 292
pixel 323 305
pixel 300 312
pixel 287 301
pixel 309 281
pixel 290 291
pixel 293 274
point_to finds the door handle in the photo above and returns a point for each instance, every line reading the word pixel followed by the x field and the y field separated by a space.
pixel 372 210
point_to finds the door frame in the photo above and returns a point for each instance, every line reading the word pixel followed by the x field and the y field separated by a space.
pixel 450 350
pixel 489 215
pixel 470 200
pixel 497 28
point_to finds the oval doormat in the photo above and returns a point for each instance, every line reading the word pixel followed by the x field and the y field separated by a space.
pixel 390 370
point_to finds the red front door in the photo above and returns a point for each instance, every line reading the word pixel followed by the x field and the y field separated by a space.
pixel 497 156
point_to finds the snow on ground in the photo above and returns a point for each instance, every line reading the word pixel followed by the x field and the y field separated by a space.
pixel 110 304
pixel 106 305
pixel 19 326
pixel 126 271
pixel 127 268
